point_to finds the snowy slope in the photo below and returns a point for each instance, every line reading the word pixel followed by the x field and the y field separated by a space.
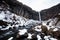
pixel 19 20
pixel 33 28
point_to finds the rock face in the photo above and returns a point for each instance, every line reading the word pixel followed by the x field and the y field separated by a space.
pixel 25 11
pixel 20 9
pixel 12 23
pixel 11 20
pixel 50 13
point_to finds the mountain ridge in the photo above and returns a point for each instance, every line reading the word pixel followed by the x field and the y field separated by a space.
pixel 50 12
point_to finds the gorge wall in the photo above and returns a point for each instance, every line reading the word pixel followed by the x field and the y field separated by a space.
pixel 27 12
pixel 19 9
pixel 50 12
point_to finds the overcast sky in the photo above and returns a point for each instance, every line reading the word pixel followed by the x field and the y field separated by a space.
pixel 39 5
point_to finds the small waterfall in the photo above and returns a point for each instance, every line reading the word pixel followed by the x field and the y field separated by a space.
pixel 40 17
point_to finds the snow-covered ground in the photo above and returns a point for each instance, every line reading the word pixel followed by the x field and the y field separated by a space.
pixel 13 18
pixel 21 22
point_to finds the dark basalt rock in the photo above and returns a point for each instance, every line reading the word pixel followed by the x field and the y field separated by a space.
pixel 34 37
pixel 20 9
pixel 44 29
pixel 22 37
pixel 3 23
pixel 50 13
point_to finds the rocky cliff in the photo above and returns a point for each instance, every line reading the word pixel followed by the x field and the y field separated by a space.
pixel 20 9
pixel 50 12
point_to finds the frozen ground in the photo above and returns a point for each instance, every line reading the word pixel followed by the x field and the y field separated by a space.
pixel 25 26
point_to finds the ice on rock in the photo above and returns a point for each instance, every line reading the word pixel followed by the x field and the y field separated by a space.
pixel 31 22
pixel 22 21
pixel 19 19
pixel 2 15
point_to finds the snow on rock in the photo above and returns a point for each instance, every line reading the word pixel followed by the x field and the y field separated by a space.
pixel 38 28
pixel 50 23
pixel 39 38
pixel 2 15
pixel 46 37
pixel 16 21
pixel 56 29
pixel 31 22
pixel 22 32
pixel 53 39
pixel 29 36
pixel 58 13
pixel 0 27
pixel 10 38
pixel 49 38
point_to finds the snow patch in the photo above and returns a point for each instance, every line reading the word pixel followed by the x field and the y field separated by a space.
pixel 2 15
pixel 10 38
pixel 22 32
pixel 29 36
pixel 53 39
pixel 39 38
pixel 56 29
